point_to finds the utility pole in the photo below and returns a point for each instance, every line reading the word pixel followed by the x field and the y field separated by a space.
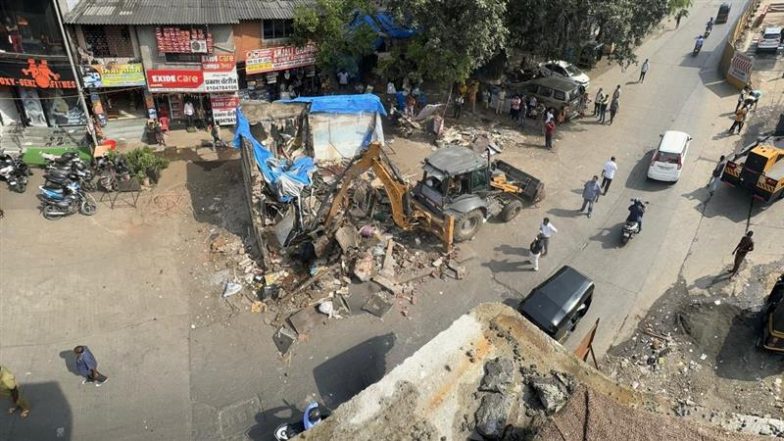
pixel 77 79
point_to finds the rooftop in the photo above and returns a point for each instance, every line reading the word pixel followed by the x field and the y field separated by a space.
pixel 179 12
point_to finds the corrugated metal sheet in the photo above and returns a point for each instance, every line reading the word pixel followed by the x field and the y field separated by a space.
pixel 180 12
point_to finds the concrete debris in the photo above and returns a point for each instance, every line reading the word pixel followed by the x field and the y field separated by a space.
pixel 363 267
pixel 283 339
pixel 551 393
pixel 347 237
pixel 499 375
pixel 377 305
pixel 230 289
pixel 492 415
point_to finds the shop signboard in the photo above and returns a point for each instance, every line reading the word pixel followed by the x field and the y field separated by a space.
pixel 114 75
pixel 279 58
pixel 223 108
pixel 36 74
pixel 175 80
pixel 740 67
pixel 220 73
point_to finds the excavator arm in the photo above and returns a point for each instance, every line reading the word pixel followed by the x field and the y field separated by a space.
pixel 396 189
pixel 405 212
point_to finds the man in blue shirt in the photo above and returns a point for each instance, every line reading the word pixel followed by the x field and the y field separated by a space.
pixel 87 366
pixel 591 192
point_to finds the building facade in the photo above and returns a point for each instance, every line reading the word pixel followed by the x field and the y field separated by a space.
pixel 37 85
pixel 160 60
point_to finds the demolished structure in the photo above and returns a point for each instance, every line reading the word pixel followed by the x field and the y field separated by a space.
pixel 494 375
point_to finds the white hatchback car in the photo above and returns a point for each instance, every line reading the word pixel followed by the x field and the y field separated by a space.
pixel 566 70
pixel 667 162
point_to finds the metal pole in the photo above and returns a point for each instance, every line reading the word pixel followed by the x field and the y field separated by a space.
pixel 80 91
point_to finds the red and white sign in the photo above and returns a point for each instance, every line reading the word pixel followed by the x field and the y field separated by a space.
pixel 218 73
pixel 279 58
pixel 160 80
pixel 223 108
pixel 740 67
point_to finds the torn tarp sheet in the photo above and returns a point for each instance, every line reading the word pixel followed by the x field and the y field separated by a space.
pixel 288 179
pixel 366 102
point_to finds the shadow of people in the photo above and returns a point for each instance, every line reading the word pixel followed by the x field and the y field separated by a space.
pixel 69 358
pixel 561 212
pixel 270 419
pixel 609 237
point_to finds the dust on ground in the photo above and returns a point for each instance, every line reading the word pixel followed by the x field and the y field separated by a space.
pixel 697 347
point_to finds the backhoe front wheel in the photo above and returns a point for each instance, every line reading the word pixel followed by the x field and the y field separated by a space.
pixel 467 225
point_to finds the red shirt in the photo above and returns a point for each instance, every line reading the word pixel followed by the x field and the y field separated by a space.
pixel 549 128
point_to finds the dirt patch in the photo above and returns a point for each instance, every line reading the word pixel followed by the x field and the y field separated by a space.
pixel 700 350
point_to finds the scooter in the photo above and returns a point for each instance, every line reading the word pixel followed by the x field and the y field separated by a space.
pixel 287 431
pixel 56 205
pixel 631 228
pixel 14 171
pixel 697 48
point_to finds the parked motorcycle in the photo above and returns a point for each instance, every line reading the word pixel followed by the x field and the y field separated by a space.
pixel 61 201
pixel 14 171
pixel 631 227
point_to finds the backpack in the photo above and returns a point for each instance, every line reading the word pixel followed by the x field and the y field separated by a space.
pixel 536 246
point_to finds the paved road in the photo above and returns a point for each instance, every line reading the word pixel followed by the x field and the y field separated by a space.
pixel 132 295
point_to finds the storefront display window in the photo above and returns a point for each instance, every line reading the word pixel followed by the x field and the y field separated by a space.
pixel 61 109
pixel 30 27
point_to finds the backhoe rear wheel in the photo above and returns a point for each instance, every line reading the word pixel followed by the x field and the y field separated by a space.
pixel 467 225
pixel 511 210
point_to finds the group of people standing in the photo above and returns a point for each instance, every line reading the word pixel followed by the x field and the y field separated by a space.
pixel 604 102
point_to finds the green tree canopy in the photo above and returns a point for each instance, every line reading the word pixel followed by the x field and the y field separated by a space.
pixel 453 37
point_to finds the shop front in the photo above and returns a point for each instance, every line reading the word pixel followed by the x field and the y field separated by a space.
pixel 192 98
pixel 280 72
pixel 116 89
pixel 43 91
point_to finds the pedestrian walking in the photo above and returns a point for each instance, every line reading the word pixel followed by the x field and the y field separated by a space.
pixel 741 97
pixel 499 106
pixel 473 91
pixel 715 178
pixel 487 96
pixel 546 231
pixel 745 246
pixel 613 110
pixel 188 110
pixel 644 70
pixel 549 131
pixel 10 388
pixel 740 118
pixel 598 102
pixel 608 174
pixel 591 192
pixel 87 366
pixel 535 250
pixel 617 93
pixel 682 13
pixel 603 109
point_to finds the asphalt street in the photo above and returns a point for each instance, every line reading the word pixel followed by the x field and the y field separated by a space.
pixel 171 380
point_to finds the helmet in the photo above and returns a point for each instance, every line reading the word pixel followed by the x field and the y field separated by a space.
pixel 314 414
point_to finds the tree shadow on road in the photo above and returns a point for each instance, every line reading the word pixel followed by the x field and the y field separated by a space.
pixel 50 416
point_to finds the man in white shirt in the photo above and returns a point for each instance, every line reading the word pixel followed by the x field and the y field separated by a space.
pixel 188 110
pixel 644 70
pixel 547 229
pixel 608 174
pixel 343 79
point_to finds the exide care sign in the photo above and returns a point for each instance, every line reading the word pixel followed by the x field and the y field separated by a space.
pixel 175 80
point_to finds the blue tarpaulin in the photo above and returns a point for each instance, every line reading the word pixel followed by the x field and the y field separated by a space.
pixel 288 179
pixel 365 102
pixel 392 28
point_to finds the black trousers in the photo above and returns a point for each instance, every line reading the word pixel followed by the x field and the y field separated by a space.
pixel 606 184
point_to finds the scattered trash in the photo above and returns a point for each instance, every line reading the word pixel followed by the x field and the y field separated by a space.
pixel 231 289
pixel 377 305
pixel 283 339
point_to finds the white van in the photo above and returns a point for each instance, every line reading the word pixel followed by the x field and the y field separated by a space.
pixel 668 160
pixel 770 39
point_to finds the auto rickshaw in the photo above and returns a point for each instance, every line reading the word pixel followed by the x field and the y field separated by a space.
pixel 773 320
pixel 724 13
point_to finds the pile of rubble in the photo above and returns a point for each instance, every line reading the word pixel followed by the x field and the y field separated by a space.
pixel 310 270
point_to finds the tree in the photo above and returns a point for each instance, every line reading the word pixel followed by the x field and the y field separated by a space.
pixel 327 24
pixel 562 29
pixel 453 37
